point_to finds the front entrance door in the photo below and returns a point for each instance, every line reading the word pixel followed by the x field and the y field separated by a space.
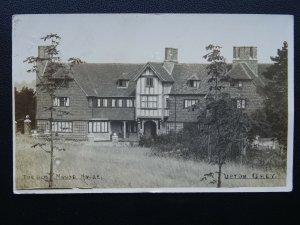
pixel 149 129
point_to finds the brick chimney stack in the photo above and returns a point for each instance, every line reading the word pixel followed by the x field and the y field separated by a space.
pixel 171 58
pixel 44 56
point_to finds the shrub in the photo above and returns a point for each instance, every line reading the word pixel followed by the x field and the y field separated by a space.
pixel 188 143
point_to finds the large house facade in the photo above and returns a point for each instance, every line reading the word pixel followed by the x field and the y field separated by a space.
pixel 131 100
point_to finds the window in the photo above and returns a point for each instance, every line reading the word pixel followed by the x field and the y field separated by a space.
pixel 148 101
pixel 61 101
pixel 148 72
pixel 167 103
pixel 235 83
pixel 241 103
pixel 43 125
pixel 174 126
pixel 122 83
pixel 131 127
pixel 90 102
pixel 190 102
pixel 113 103
pixel 130 103
pixel 194 83
pixel 149 82
pixel 62 126
pixel 101 102
pixel 120 102
pixel 98 127
pixel 104 102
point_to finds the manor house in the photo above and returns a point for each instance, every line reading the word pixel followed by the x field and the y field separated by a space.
pixel 139 99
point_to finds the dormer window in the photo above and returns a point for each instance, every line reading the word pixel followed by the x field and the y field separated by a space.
pixel 123 83
pixel 235 83
pixel 193 83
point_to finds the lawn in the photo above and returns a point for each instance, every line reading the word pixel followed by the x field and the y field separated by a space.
pixel 86 165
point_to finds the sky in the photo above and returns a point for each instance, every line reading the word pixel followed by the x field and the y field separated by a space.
pixel 139 38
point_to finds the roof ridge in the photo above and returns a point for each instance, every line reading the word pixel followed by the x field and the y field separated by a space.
pixel 256 78
pixel 93 63
pixel 244 64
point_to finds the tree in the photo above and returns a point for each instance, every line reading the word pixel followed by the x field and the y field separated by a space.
pixel 216 69
pixel 276 107
pixel 226 126
pixel 46 83
pixel 224 123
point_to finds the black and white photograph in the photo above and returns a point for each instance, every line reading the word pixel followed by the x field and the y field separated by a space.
pixel 109 103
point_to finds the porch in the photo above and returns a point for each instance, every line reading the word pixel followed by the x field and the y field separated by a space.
pixel 104 131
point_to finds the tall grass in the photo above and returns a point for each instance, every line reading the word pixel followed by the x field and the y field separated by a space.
pixel 87 165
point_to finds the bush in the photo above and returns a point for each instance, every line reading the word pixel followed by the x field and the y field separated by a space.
pixel 189 143
pixel 266 159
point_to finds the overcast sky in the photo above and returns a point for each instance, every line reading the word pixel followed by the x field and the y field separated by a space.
pixel 138 38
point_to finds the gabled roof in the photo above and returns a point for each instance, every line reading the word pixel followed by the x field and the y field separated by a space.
pixel 239 72
pixel 255 78
pixel 158 69
pixel 58 71
pixel 184 72
pixel 194 77
pixel 101 79
pixel 125 76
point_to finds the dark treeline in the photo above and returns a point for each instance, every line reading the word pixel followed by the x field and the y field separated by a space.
pixel 25 104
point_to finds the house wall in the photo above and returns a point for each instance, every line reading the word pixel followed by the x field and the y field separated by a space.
pixel 78 109
pixel 127 114
pixel 248 91
pixel 79 129
pixel 177 111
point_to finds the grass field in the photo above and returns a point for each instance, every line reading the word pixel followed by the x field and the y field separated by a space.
pixel 92 165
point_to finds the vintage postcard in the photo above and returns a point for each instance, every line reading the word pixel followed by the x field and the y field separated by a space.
pixel 152 103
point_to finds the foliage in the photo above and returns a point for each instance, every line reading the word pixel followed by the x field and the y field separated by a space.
pixel 226 125
pixel 45 67
pixel 25 103
pixel 277 91
pixel 267 160
pixel 189 143
pixel 216 69
pixel 259 125
pixel 74 61
pixel 272 120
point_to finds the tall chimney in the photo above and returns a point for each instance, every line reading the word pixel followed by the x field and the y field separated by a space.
pixel 247 55
pixel 44 57
pixel 171 58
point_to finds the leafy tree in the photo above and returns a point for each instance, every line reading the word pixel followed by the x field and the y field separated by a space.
pixel 46 83
pixel 216 69
pixel 224 123
pixel 226 126
pixel 276 107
